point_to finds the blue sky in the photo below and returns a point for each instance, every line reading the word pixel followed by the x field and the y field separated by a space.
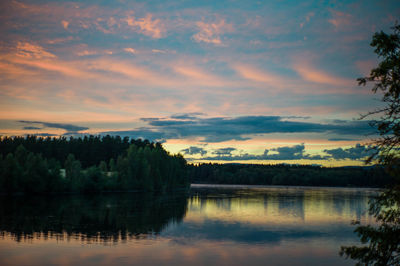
pixel 241 77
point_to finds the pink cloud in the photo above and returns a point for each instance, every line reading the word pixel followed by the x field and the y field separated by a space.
pixel 86 53
pixel 254 74
pixel 197 76
pixel 158 51
pixel 340 19
pixel 20 92
pixel 147 26
pixel 210 32
pixel 130 50
pixel 128 70
pixel 308 72
pixel 72 17
pixel 307 19
pixel 60 40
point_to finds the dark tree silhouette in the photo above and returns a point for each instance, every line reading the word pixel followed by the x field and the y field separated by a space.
pixel 141 166
pixel 289 175
pixel 381 242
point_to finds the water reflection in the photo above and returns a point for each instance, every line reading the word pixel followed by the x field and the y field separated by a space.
pixel 98 218
pixel 271 215
pixel 209 226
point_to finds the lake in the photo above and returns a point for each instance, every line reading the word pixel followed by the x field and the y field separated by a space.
pixel 210 225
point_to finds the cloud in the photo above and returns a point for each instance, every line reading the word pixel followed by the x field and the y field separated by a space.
pixel 30 56
pixel 60 40
pixel 31 128
pixel 157 51
pixel 68 127
pixel 55 66
pixel 307 19
pixel 296 152
pixel 210 32
pixel 130 71
pixel 65 24
pixel 354 153
pixel 147 26
pixel 86 53
pixel 130 50
pixel 193 150
pixel 44 135
pixel 365 66
pixel 220 129
pixel 199 77
pixel 29 50
pixel 287 153
pixel 340 19
pixel 343 139
pixel 254 74
pixel 308 72
pixel 224 151
pixel 140 133
pixel 186 116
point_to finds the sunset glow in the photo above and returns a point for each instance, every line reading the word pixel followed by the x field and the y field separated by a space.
pixel 224 81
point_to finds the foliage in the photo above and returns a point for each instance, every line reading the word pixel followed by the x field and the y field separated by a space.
pixel 147 167
pixel 382 241
pixel 289 175
pixel 89 150
pixel 386 79
pixel 26 172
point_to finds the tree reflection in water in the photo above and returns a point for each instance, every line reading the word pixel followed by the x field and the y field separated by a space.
pixel 99 218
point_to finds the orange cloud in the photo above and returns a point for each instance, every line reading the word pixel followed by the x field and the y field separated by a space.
pixel 11 71
pixel 35 56
pixel 28 50
pixel 65 24
pixel 55 66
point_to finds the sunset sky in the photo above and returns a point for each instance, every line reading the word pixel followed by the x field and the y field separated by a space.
pixel 221 81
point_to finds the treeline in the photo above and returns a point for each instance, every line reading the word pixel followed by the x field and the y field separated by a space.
pixel 93 164
pixel 289 175
pixel 143 167
pixel 88 150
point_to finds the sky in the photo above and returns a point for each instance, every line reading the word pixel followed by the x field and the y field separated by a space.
pixel 217 81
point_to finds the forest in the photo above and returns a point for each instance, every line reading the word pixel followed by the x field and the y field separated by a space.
pixel 290 175
pixel 34 165
pixel 93 164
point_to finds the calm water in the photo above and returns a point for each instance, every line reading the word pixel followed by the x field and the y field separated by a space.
pixel 211 225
